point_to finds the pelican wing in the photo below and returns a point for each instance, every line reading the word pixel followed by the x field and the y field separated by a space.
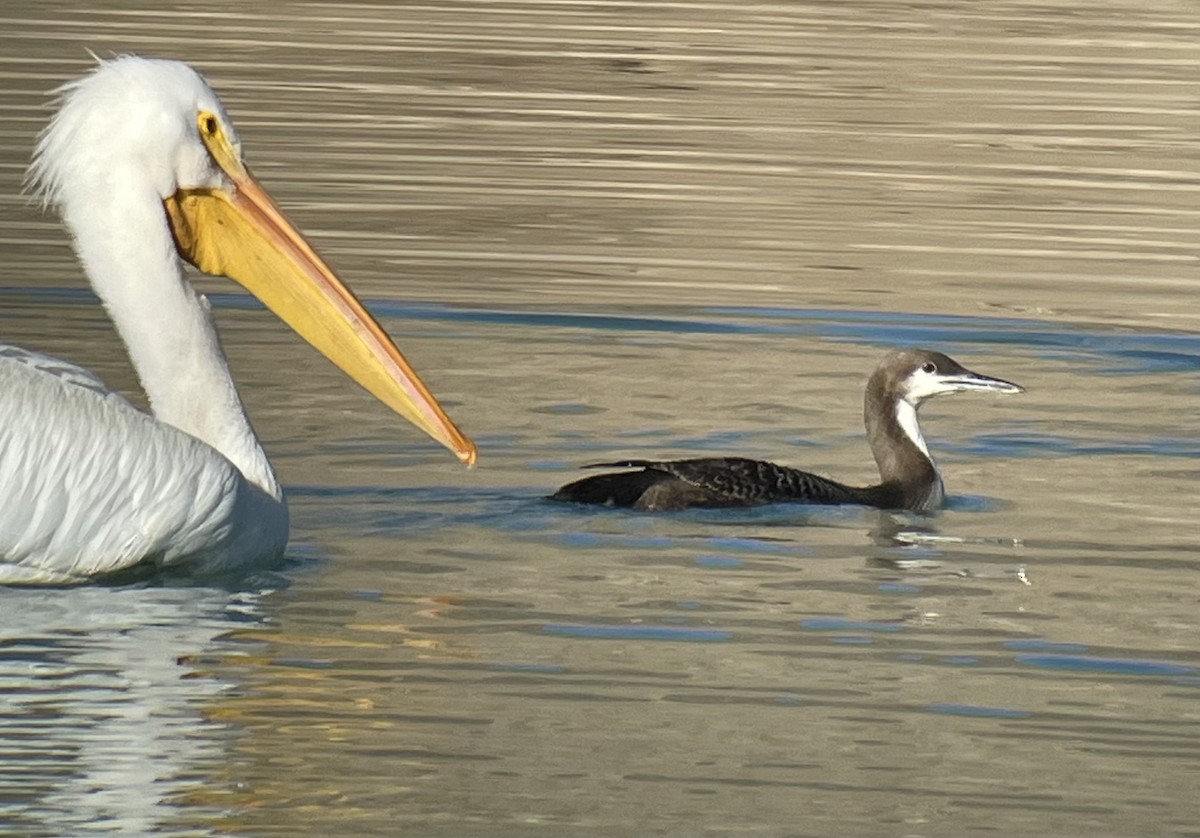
pixel 55 367
pixel 90 485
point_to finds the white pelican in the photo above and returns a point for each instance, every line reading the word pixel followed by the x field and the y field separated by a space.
pixel 146 169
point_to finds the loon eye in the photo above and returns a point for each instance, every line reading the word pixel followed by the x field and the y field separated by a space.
pixel 929 367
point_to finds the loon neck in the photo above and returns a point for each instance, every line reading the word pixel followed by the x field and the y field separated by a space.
pixel 910 478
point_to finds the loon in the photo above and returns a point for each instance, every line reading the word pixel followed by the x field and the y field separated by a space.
pixel 902 381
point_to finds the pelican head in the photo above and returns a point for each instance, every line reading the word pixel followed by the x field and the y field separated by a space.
pixel 134 124
pixel 146 168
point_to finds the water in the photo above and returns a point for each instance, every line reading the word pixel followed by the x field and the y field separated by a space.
pixel 602 231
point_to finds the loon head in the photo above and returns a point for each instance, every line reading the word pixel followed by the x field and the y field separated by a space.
pixel 914 375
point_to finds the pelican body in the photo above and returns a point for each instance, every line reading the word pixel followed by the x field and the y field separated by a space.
pixel 910 480
pixel 144 165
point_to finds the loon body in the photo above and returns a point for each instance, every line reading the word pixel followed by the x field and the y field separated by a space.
pixel 902 381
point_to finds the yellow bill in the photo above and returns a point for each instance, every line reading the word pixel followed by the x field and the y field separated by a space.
pixel 242 234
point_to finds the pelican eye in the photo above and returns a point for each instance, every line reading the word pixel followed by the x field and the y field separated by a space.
pixel 929 367
pixel 208 124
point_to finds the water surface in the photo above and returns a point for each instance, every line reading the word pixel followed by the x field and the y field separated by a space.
pixel 604 230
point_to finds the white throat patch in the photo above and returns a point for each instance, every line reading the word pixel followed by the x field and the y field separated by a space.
pixel 906 416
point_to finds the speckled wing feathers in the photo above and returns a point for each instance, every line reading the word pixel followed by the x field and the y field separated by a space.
pixel 708 481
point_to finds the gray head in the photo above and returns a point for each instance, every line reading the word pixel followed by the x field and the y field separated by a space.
pixel 914 375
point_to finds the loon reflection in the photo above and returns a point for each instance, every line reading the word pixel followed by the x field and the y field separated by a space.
pixel 909 479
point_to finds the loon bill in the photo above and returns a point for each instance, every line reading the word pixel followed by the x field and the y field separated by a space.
pixel 909 479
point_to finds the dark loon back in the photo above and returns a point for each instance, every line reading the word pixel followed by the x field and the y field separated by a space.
pixel 707 481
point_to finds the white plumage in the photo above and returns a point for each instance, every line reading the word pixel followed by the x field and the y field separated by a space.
pixel 92 485
pixel 145 168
